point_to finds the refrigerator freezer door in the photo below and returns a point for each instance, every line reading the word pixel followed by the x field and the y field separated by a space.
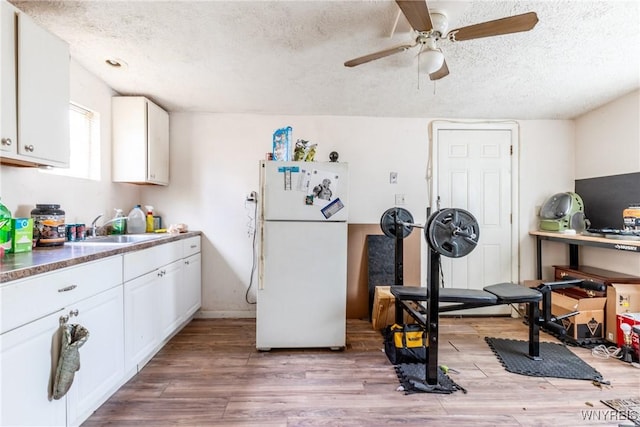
pixel 285 187
pixel 302 291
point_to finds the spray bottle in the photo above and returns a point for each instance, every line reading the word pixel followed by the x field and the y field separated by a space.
pixel 150 228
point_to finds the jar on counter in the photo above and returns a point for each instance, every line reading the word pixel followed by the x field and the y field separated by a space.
pixel 631 217
pixel 48 225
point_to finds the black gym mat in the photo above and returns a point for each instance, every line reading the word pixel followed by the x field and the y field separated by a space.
pixel 412 377
pixel 557 360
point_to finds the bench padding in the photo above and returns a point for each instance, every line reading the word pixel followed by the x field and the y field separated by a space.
pixel 510 292
pixel 502 293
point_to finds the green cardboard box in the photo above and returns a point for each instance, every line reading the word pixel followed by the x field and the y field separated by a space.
pixel 22 229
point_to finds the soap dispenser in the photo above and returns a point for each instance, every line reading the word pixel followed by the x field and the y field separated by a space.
pixel 119 223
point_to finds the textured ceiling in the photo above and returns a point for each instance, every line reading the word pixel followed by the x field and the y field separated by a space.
pixel 286 57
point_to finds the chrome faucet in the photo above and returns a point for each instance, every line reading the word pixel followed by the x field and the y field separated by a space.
pixel 93 229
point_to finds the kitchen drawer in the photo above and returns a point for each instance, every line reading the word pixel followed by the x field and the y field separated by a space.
pixel 24 301
pixel 190 246
pixel 142 262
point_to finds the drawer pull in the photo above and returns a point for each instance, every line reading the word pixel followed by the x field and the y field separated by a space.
pixel 193 246
pixel 68 288
pixel 186 262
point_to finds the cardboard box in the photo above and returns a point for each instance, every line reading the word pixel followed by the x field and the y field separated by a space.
pixel 22 235
pixel 631 319
pixel 383 311
pixel 621 298
pixel 588 323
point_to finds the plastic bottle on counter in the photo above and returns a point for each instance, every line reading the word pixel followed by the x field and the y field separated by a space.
pixel 150 228
pixel 5 229
pixel 136 222
pixel 119 222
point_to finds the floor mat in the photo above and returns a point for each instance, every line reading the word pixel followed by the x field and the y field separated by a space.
pixel 557 360
pixel 412 377
pixel 628 409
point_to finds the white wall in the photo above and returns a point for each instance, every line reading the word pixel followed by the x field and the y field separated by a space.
pixel 546 167
pixel 608 139
pixel 214 165
pixel 81 199
pixel 608 143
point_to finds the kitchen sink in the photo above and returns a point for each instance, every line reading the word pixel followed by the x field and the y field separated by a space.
pixel 116 239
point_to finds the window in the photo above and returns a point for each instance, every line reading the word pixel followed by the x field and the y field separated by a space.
pixel 84 139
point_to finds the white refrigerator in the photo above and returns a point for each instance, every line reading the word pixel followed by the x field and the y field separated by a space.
pixel 302 269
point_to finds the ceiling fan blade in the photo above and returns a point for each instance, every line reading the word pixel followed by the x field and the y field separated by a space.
pixel 378 55
pixel 508 25
pixel 442 72
pixel 417 13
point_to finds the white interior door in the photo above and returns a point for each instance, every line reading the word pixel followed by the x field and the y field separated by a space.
pixel 474 170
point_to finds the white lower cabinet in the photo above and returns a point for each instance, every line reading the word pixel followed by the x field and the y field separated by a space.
pixel 27 356
pixel 140 320
pixel 30 348
pixel 162 291
pixel 190 294
pixel 151 313
pixel 101 357
pixel 131 305
pixel 168 291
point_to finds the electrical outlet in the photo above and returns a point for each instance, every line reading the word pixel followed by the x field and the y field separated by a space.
pixel 393 177
pixel 252 197
pixel 399 199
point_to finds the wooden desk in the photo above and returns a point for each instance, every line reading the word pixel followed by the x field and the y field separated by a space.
pixel 574 241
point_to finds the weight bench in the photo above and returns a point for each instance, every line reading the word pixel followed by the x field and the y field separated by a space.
pixel 417 302
pixel 454 233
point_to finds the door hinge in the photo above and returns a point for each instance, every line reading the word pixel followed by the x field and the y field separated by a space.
pixel 511 150
pixel 510 218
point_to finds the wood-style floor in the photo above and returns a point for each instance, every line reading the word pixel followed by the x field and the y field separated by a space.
pixel 210 374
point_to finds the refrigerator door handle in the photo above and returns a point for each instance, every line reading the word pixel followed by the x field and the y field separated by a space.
pixel 261 259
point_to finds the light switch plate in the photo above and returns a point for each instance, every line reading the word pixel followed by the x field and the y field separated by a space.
pixel 399 199
pixel 393 177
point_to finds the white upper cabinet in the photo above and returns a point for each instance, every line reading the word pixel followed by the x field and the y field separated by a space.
pixel 8 115
pixel 140 141
pixel 34 122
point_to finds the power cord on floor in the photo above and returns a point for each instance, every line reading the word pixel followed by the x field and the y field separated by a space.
pixel 252 231
pixel 603 352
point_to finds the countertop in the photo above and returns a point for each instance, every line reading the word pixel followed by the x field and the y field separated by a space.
pixel 42 260
pixel 633 245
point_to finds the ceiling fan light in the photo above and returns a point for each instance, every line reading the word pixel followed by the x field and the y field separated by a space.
pixel 431 61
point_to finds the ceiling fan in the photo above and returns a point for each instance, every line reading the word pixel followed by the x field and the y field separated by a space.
pixel 432 27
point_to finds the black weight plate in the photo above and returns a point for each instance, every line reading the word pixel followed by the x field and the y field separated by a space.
pixel 388 222
pixel 453 233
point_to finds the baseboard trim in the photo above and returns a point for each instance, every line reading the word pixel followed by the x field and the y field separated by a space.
pixel 209 314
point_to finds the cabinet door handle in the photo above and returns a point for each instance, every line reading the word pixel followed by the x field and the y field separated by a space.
pixel 186 262
pixel 30 148
pixel 74 312
pixel 7 141
pixel 68 288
